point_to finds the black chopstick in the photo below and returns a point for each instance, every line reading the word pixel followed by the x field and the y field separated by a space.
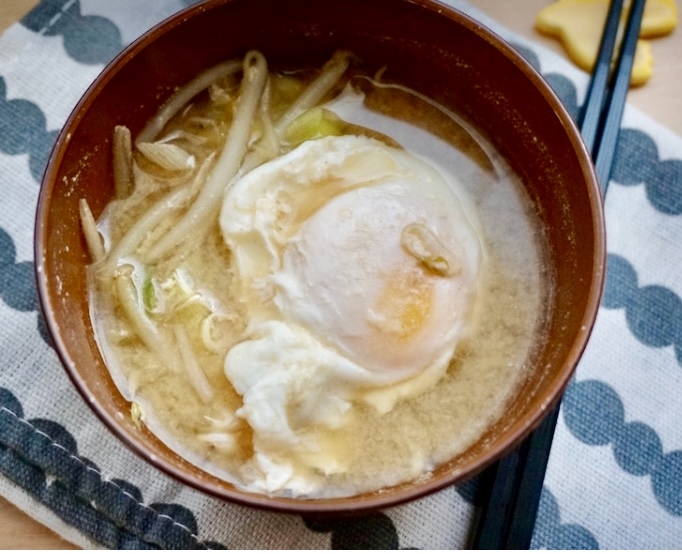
pixel 597 90
pixel 512 486
pixel 609 128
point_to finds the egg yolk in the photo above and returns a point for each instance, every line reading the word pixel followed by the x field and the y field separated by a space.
pixel 403 305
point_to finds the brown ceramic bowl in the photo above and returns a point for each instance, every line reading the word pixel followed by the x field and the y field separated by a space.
pixel 431 48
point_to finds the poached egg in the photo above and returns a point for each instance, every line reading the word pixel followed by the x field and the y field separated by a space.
pixel 358 266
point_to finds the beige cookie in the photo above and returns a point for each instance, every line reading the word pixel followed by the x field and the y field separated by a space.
pixel 578 24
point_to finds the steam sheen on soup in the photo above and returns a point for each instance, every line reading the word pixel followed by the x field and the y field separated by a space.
pixel 313 282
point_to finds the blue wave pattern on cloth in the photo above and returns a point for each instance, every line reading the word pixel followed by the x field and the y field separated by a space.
pixel 637 162
pixel 42 456
pixel 16 279
pixel 551 534
pixel 89 39
pixel 22 131
pixel 653 313
pixel 595 415
pixel 17 283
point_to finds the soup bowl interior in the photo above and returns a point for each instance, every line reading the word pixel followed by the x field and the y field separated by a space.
pixel 425 46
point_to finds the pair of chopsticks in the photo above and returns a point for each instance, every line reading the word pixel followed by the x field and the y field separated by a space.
pixel 512 487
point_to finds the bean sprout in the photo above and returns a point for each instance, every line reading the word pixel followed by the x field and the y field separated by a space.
pixel 184 95
pixel 203 213
pixel 92 236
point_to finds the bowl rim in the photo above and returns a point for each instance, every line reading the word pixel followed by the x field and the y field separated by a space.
pixel 367 501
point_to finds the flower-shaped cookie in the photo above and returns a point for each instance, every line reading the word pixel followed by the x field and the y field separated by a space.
pixel 578 24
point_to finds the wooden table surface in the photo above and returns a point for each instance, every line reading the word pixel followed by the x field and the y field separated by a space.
pixel 660 98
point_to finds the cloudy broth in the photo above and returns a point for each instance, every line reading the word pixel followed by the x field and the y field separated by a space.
pixel 184 290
